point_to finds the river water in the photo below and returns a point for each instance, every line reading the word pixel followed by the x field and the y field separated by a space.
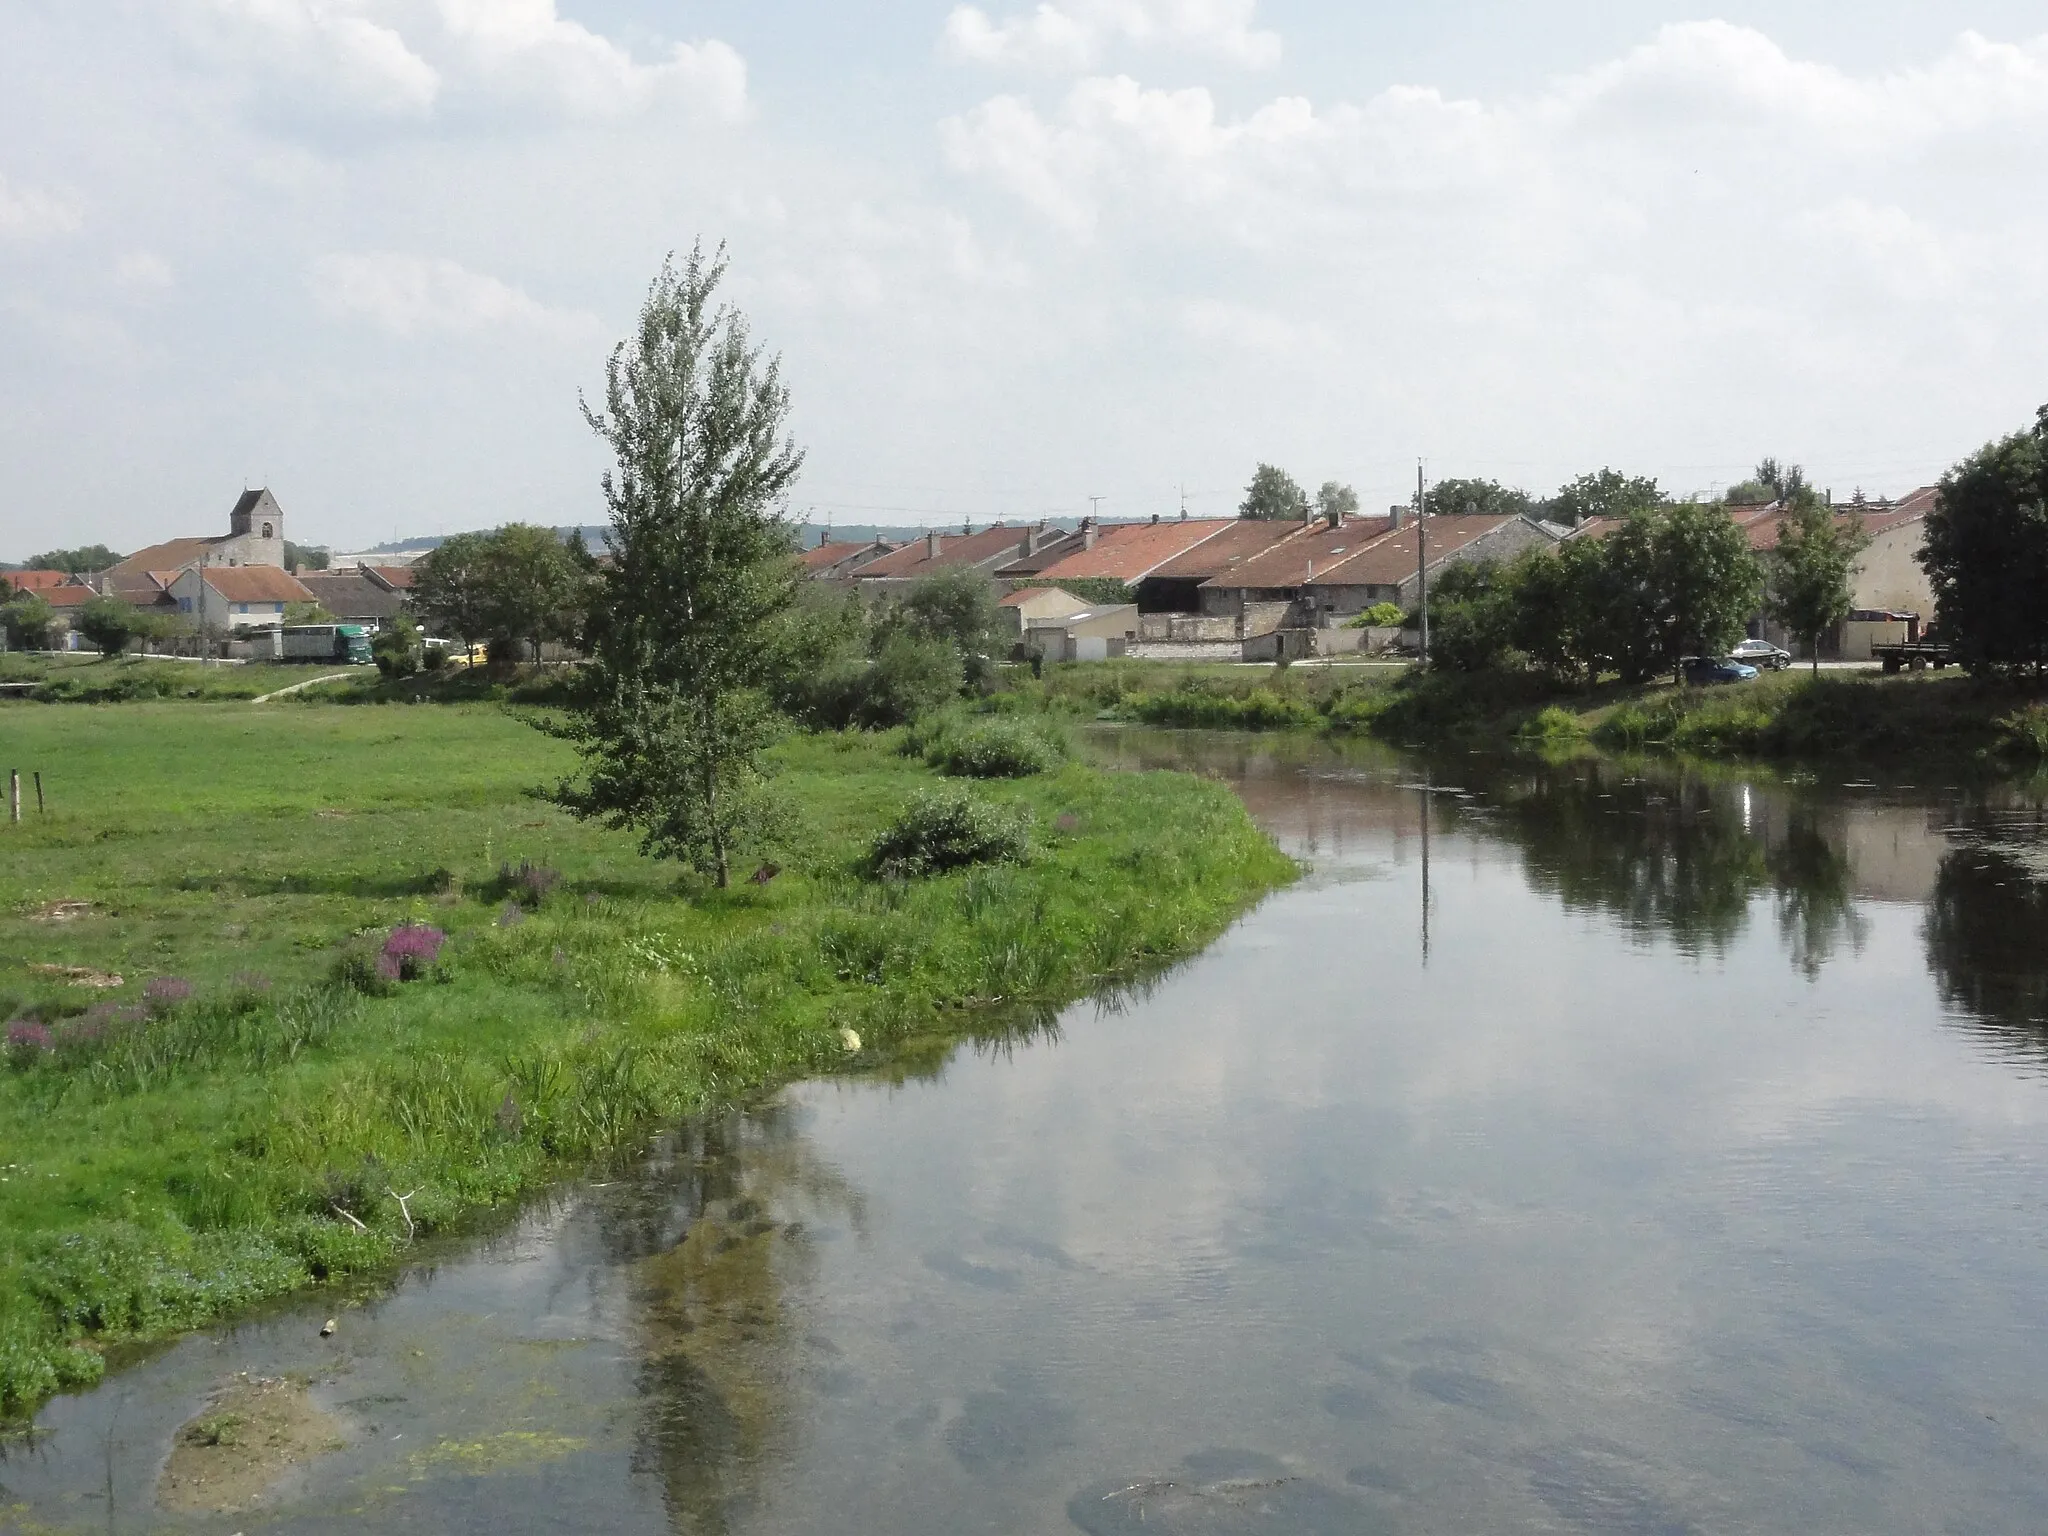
pixel 1576 1148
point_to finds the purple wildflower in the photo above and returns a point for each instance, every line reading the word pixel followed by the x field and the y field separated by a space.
pixel 27 1036
pixel 250 981
pixel 163 993
pixel 512 916
pixel 410 951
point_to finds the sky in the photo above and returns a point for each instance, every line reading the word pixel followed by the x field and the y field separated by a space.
pixel 1014 254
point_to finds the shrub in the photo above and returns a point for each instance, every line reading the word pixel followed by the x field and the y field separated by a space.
pixel 1261 709
pixel 996 749
pixel 941 830
pixel 530 882
pixel 28 1039
pixel 410 952
pixel 2024 733
pixel 1378 616
pixel 164 993
pixel 1552 724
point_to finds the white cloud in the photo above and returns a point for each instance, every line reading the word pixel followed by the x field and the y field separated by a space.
pixel 407 296
pixel 413 60
pixel 33 213
pixel 1075 34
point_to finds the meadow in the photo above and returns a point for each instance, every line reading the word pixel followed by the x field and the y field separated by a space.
pixel 267 969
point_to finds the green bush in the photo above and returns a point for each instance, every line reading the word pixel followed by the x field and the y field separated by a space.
pixel 1260 710
pixel 1378 616
pixel 2024 733
pixel 996 749
pixel 1552 724
pixel 941 830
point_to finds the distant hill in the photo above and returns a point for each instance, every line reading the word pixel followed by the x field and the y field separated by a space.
pixel 808 533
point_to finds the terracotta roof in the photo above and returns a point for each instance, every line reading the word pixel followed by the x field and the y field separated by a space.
pixel 955 550
pixel 1132 551
pixel 74 595
pixel 1390 559
pixel 1288 564
pixel 820 557
pixel 350 595
pixel 36 581
pixel 171 555
pixel 1918 503
pixel 255 584
pixel 1024 595
pixel 397 577
pixel 1245 539
pixel 1055 544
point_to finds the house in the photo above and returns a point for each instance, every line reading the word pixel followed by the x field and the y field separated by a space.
pixel 1094 634
pixel 981 552
pixel 1046 549
pixel 830 560
pixel 1030 606
pixel 234 597
pixel 353 597
pixel 392 578
pixel 1891 597
pixel 1175 586
pixel 1385 570
pixel 34 581
pixel 1129 552
pixel 255 537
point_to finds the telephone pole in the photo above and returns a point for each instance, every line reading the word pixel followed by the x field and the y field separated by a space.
pixel 1421 561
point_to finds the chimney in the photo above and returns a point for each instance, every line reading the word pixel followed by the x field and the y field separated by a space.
pixel 1030 545
pixel 1087 533
pixel 824 537
pixel 1396 515
pixel 1334 518
pixel 931 545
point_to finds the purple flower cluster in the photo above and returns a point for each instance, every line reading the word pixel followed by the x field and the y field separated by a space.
pixel 410 951
pixel 534 881
pixel 163 993
pixel 512 916
pixel 250 981
pixel 28 1037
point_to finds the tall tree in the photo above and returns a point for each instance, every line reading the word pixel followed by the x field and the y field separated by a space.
pixel 1811 575
pixel 1273 494
pixel 1681 581
pixel 26 620
pixel 1986 553
pixel 672 714
pixel 1335 500
pixel 75 562
pixel 1606 493
pixel 1488 498
pixel 450 588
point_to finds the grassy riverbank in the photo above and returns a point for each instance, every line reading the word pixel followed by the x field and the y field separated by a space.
pixel 238 1115
pixel 1784 715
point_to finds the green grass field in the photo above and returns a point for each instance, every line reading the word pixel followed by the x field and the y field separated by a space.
pixel 212 1130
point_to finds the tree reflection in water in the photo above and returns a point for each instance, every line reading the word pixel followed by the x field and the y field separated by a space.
pixel 1681 856
pixel 719 1308
pixel 1985 925
pixel 720 1237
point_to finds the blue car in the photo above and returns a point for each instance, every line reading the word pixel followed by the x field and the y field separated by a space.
pixel 1702 670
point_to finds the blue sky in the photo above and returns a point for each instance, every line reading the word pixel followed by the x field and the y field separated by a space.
pixel 368 251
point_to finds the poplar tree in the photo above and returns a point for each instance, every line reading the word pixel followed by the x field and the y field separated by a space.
pixel 1812 573
pixel 673 711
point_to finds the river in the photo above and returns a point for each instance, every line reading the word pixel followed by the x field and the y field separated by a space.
pixel 1575 1148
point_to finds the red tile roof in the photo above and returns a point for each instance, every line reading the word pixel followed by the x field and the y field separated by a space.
pixel 1390 560
pixel 255 584
pixel 1132 551
pixel 822 557
pixel 955 550
pixel 171 555
pixel 75 595
pixel 36 581
pixel 397 577
pixel 1245 539
pixel 1318 547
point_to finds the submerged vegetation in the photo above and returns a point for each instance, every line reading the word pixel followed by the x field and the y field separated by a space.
pixel 264 1027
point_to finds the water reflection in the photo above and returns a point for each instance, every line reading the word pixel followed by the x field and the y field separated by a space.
pixel 720 1312
pixel 1986 922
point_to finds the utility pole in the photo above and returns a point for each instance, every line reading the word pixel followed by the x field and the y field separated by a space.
pixel 1421 561
pixel 1095 507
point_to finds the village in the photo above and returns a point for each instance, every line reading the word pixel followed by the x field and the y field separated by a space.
pixel 1323 585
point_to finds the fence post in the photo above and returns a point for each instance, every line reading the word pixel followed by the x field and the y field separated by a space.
pixel 14 794
pixel 39 794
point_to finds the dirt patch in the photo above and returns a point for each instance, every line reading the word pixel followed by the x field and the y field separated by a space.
pixel 62 912
pixel 78 976
pixel 245 1441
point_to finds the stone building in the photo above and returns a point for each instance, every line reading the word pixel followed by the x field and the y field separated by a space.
pixel 255 537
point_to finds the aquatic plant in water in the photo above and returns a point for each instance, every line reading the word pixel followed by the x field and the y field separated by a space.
pixel 410 952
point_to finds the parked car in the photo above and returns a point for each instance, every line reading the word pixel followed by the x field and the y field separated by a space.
pixel 1702 670
pixel 1761 653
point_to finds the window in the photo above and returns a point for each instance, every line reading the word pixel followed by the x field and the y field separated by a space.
pixel 241 607
pixel 267 533
pixel 184 605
